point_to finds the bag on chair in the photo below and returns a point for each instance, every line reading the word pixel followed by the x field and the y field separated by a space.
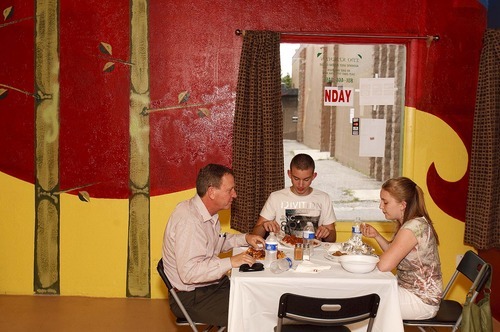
pixel 476 317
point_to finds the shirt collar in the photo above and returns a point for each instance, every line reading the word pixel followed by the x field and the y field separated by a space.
pixel 203 210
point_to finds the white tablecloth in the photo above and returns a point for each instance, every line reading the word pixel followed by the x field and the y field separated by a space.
pixel 254 296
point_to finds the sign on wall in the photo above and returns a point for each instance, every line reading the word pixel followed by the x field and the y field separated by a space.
pixel 338 96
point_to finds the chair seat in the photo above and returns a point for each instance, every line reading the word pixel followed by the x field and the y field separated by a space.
pixel 312 328
pixel 447 315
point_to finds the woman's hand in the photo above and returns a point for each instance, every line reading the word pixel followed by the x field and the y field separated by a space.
pixel 369 231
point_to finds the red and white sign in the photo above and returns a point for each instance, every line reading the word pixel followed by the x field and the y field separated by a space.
pixel 338 96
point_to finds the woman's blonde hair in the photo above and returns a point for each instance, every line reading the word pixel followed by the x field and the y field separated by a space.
pixel 404 189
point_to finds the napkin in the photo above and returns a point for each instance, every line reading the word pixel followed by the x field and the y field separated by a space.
pixel 308 267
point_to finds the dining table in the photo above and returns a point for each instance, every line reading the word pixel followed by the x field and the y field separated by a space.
pixel 254 296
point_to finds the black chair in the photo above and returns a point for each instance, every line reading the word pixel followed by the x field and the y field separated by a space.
pixel 450 312
pixel 172 292
pixel 303 313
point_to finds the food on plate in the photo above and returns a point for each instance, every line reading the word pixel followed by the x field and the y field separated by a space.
pixel 292 240
pixel 259 254
pixel 334 256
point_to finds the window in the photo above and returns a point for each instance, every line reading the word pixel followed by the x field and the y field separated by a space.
pixel 344 107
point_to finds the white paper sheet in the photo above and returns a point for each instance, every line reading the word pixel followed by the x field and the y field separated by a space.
pixel 371 137
pixel 376 91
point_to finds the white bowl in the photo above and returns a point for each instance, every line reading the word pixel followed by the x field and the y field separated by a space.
pixel 358 263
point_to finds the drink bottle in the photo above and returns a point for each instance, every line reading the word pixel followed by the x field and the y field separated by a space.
pixel 356 236
pixel 271 249
pixel 281 265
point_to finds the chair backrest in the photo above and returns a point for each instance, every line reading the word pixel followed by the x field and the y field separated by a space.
pixel 327 311
pixel 474 268
pixel 163 276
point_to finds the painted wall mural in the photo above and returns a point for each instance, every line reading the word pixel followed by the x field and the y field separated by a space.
pixel 96 167
pixel 113 100
pixel 138 244
pixel 47 201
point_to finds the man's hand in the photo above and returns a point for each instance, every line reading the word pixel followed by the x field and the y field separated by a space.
pixel 255 240
pixel 327 233
pixel 322 232
pixel 271 226
pixel 242 258
pixel 262 226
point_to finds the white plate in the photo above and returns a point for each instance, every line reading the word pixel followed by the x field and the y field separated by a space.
pixel 335 246
pixel 332 258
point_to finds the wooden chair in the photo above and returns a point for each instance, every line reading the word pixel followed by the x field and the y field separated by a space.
pixel 450 312
pixel 303 313
pixel 186 320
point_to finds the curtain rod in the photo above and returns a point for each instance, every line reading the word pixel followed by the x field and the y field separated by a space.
pixel 240 32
